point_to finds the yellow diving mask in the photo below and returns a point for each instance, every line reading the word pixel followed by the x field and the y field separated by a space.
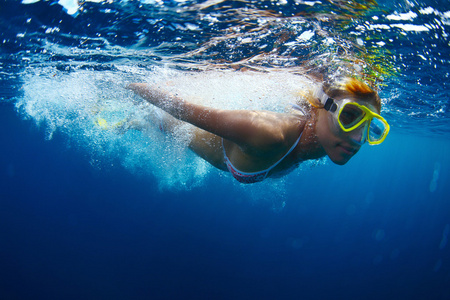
pixel 351 115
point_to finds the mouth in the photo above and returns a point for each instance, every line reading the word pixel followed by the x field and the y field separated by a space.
pixel 348 150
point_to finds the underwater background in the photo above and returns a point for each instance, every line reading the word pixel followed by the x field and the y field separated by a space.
pixel 87 212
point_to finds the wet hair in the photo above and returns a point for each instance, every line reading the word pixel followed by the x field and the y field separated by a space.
pixel 352 87
pixel 343 87
pixel 309 103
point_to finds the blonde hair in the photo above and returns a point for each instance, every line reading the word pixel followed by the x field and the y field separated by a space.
pixel 346 87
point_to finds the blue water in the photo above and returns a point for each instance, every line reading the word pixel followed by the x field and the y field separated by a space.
pixel 86 213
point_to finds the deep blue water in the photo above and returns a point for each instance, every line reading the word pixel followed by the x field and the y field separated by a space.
pixel 79 220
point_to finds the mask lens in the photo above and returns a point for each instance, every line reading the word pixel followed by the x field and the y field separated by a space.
pixel 351 115
pixel 376 130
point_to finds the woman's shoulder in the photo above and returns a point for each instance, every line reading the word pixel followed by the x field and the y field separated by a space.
pixel 282 130
pixel 296 125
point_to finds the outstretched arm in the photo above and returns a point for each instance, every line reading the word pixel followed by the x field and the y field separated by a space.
pixel 245 128
pixel 173 105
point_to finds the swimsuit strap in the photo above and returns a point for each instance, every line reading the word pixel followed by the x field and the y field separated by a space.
pixel 284 156
pixel 254 176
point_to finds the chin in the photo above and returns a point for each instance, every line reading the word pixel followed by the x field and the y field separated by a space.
pixel 341 160
pixel 340 163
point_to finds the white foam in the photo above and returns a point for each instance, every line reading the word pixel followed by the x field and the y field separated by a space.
pixel 75 103
pixel 409 16
pixel 411 27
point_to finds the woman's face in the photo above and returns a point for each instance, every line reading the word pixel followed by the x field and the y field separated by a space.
pixel 339 145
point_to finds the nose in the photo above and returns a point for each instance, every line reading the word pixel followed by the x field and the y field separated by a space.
pixel 358 135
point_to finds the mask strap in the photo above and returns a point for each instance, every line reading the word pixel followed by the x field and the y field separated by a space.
pixel 327 102
pixel 330 105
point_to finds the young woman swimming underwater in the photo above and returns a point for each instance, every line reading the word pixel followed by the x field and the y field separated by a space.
pixel 254 145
